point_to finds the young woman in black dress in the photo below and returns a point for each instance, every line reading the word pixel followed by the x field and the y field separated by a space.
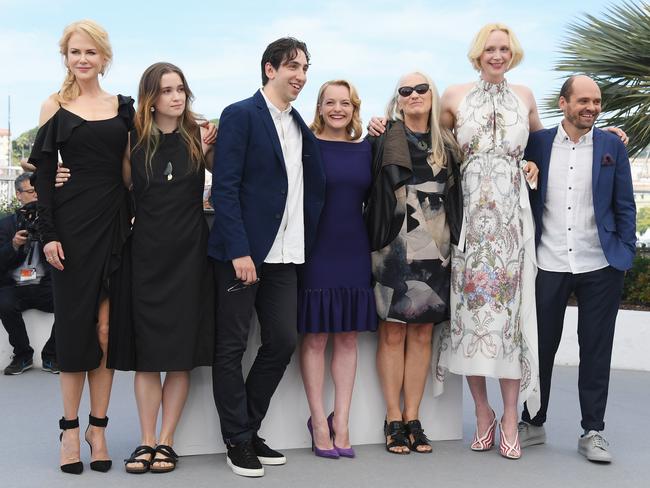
pixel 172 308
pixel 83 226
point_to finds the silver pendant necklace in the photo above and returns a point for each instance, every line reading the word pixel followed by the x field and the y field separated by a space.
pixel 169 171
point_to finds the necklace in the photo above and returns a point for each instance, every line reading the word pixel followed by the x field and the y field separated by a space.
pixel 169 171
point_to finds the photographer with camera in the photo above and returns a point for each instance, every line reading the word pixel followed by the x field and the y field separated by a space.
pixel 24 279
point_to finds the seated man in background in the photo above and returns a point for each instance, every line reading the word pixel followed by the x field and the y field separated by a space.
pixel 24 280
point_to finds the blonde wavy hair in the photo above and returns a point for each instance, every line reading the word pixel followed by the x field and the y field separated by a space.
pixel 70 88
pixel 440 137
pixel 353 129
pixel 480 39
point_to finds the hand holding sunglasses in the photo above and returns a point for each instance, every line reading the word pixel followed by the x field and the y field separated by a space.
pixel 420 89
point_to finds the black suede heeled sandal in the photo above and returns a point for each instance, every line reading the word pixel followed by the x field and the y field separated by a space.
pixel 396 430
pixel 170 457
pixel 144 463
pixel 105 464
pixel 414 429
pixel 76 467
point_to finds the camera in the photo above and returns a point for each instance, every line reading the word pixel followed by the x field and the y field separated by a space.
pixel 27 219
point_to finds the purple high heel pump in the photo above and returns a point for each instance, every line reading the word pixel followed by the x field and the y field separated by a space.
pixel 324 453
pixel 347 452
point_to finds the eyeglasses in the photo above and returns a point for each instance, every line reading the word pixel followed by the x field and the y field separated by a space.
pixel 239 285
pixel 420 89
pixel 31 191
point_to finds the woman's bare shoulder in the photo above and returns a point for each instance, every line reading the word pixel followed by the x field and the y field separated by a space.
pixel 48 108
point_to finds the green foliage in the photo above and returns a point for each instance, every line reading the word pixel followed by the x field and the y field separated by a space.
pixel 7 208
pixel 636 288
pixel 22 145
pixel 642 219
pixel 615 52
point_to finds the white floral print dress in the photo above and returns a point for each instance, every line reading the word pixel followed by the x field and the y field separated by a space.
pixel 493 326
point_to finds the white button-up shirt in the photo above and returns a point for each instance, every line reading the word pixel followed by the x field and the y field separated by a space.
pixel 289 243
pixel 569 241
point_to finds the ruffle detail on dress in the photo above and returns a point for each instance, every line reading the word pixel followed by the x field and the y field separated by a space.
pixel 336 310
pixel 57 130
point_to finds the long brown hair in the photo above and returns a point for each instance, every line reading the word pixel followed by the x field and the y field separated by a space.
pixel 149 134
pixel 70 89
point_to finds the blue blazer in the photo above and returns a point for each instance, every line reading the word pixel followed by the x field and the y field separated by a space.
pixel 249 185
pixel 613 195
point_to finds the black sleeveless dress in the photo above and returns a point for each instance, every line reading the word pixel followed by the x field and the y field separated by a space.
pixel 90 215
pixel 172 296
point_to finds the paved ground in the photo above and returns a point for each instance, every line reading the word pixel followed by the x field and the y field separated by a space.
pixel 30 408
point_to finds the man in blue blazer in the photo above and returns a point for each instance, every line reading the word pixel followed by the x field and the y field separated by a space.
pixel 585 221
pixel 267 193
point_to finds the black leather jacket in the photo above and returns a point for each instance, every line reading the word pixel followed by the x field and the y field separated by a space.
pixel 391 169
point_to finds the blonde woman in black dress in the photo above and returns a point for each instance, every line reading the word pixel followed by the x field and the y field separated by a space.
pixel 83 227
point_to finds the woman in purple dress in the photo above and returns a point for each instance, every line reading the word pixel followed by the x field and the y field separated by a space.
pixel 335 293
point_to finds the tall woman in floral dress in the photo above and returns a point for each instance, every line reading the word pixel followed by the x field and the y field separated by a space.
pixel 493 327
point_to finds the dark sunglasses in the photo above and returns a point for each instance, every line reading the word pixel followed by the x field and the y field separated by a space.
pixel 238 285
pixel 420 89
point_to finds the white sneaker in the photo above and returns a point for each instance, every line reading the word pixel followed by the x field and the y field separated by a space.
pixel 593 446
pixel 531 435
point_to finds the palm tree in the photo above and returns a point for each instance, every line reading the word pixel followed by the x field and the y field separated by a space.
pixel 615 52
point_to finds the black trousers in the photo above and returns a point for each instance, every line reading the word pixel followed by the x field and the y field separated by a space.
pixel 14 300
pixel 598 294
pixel 242 404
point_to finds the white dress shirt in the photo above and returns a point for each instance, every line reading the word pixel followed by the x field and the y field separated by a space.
pixel 569 241
pixel 289 243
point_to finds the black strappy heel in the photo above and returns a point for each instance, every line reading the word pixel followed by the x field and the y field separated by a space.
pixel 102 465
pixel 76 467
pixel 396 430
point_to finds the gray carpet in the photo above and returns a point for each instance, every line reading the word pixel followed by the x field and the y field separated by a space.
pixel 30 408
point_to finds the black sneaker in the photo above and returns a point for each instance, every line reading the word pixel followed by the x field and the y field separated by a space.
pixel 18 365
pixel 243 461
pixel 51 366
pixel 265 454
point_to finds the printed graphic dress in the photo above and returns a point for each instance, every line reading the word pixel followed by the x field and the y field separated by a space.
pixel 493 326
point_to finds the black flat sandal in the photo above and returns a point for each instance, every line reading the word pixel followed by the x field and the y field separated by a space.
pixel 144 463
pixel 76 467
pixel 396 430
pixel 414 429
pixel 102 465
pixel 170 457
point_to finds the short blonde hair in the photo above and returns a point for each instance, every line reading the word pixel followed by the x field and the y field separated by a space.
pixel 480 39
pixel 353 129
pixel 70 89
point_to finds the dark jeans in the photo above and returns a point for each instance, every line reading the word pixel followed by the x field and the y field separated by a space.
pixel 598 294
pixel 16 299
pixel 242 404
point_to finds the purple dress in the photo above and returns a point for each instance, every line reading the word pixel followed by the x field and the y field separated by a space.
pixel 334 287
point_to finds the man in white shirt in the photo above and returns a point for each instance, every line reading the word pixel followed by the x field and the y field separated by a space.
pixel 268 191
pixel 585 232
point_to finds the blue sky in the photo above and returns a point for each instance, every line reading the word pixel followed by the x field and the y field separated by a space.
pixel 218 45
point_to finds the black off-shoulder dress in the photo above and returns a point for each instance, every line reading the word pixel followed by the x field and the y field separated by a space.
pixel 90 215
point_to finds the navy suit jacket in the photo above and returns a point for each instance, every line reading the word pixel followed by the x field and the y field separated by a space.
pixel 249 185
pixel 613 195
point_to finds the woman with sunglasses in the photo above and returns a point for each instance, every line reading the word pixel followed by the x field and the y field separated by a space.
pixel 410 239
pixel 335 296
